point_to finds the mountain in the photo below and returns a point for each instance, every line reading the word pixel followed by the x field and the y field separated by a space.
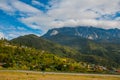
pixel 90 41
pixel 39 43
pixel 79 38
pixel 25 58
pixel 91 33
pixel 83 37
pixel 79 49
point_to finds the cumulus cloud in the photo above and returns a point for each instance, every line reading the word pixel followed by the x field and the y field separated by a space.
pixel 35 2
pixel 88 22
pixel 12 6
pixel 76 13
pixel 11 32
pixel 1 35
pixel 67 13
pixel 22 7
pixel 6 6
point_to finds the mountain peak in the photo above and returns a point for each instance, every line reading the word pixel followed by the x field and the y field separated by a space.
pixel 91 33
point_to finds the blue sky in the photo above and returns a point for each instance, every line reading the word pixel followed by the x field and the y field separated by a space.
pixel 20 17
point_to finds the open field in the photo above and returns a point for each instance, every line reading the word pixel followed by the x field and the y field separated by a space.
pixel 29 75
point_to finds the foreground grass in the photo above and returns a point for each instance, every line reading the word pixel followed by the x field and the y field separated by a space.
pixel 9 75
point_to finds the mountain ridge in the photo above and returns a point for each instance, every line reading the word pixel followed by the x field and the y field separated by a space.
pixel 92 33
pixel 42 44
pixel 80 49
pixel 102 47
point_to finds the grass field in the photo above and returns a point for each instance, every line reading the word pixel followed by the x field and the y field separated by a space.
pixel 11 75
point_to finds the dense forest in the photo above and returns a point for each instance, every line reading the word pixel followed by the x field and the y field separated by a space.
pixel 79 49
pixel 26 58
pixel 31 52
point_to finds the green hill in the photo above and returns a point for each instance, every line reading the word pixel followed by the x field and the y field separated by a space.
pixel 25 58
pixel 43 44
pixel 79 49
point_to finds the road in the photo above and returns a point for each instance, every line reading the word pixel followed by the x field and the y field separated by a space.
pixel 61 73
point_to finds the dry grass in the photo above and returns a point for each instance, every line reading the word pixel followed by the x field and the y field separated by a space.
pixel 38 76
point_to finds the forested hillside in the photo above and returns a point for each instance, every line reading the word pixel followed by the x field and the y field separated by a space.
pixel 16 57
pixel 76 48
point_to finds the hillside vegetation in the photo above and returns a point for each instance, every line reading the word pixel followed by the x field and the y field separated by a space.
pixel 76 48
pixel 25 58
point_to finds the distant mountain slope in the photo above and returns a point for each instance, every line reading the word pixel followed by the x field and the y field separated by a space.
pixel 92 33
pixel 77 38
pixel 78 48
pixel 89 41
pixel 85 46
pixel 25 58
pixel 42 44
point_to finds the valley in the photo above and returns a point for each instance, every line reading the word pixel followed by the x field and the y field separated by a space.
pixel 60 53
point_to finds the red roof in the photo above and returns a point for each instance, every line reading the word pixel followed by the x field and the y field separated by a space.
pixel 118 71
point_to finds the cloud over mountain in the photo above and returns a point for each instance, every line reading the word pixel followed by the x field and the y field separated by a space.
pixel 59 13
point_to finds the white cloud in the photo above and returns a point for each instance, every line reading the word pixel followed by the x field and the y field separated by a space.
pixel 1 35
pixel 23 7
pixel 16 33
pixel 12 6
pixel 21 28
pixel 35 2
pixel 76 13
pixel 88 22
pixel 118 19
pixel 6 6
pixel 67 13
